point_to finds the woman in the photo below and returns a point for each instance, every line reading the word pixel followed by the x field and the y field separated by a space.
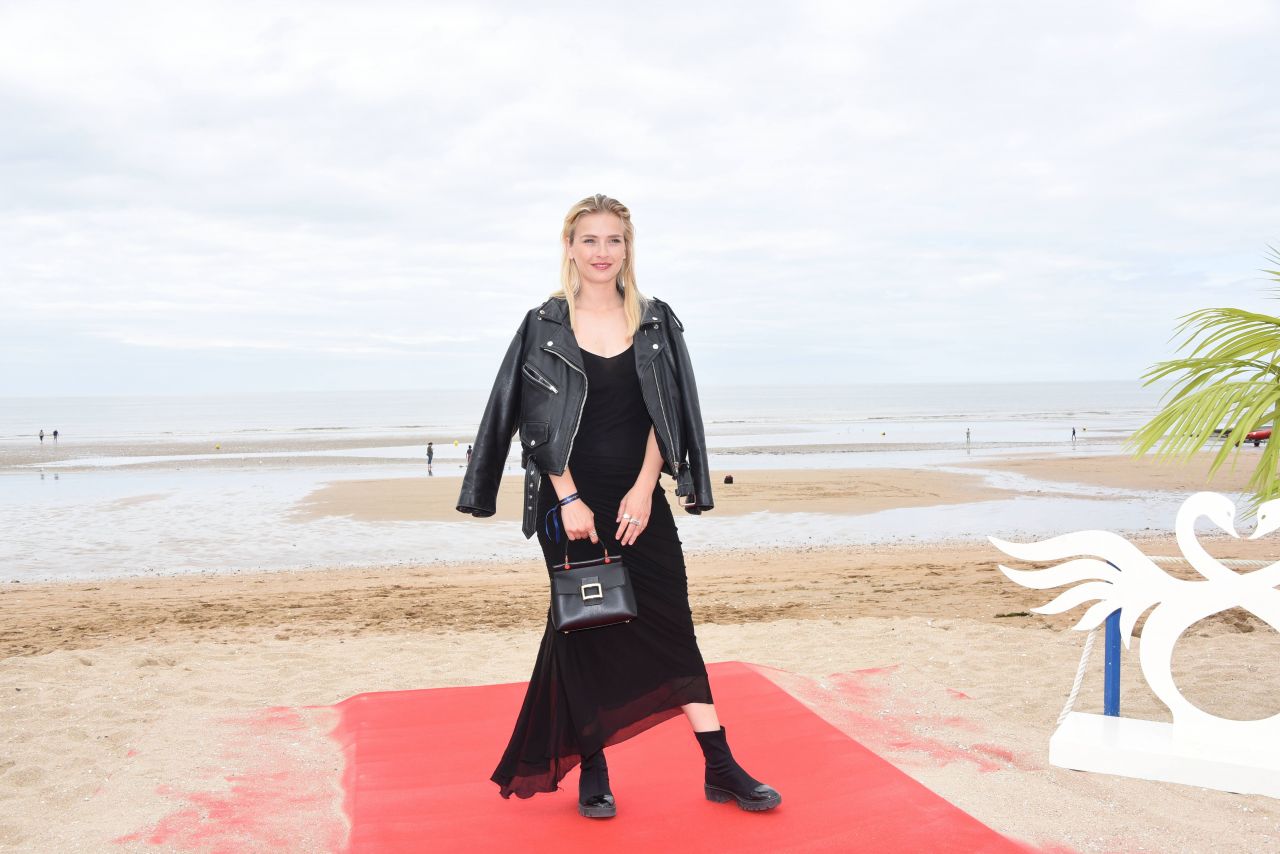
pixel 599 385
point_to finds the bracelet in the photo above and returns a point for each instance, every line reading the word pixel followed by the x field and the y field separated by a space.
pixel 552 516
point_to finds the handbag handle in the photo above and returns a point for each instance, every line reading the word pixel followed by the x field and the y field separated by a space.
pixel 589 561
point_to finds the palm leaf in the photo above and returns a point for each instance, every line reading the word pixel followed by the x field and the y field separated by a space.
pixel 1229 379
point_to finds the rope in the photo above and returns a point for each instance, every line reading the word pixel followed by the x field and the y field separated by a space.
pixel 1229 562
pixel 1075 686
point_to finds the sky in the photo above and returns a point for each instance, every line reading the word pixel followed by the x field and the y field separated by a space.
pixel 222 197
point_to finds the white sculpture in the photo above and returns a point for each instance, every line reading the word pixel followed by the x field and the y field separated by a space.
pixel 1198 747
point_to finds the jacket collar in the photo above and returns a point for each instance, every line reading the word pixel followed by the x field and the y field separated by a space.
pixel 557 335
pixel 556 310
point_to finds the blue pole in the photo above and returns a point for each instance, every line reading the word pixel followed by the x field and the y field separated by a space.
pixel 1111 671
pixel 1111 675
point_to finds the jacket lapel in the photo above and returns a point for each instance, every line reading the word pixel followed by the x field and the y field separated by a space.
pixel 555 335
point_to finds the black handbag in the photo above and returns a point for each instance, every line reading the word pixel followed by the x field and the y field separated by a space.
pixel 588 594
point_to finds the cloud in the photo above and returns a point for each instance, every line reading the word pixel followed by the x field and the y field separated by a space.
pixel 922 191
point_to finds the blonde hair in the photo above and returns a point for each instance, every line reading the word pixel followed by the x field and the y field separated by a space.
pixel 633 302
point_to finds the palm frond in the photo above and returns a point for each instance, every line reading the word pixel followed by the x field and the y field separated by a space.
pixel 1202 371
pixel 1231 333
pixel 1186 426
pixel 1229 379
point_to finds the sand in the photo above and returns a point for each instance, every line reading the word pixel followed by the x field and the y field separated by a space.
pixel 858 491
pixel 854 491
pixel 1127 472
pixel 151 710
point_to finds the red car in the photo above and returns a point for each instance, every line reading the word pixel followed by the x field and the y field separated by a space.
pixel 1257 437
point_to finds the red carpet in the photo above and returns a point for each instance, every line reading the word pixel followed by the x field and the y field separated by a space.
pixel 417 779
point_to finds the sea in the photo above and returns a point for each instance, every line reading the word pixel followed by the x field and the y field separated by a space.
pixel 918 409
pixel 119 495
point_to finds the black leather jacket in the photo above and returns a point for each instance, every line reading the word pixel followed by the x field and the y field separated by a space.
pixel 541 390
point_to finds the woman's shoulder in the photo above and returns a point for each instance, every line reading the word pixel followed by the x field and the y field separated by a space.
pixel 553 307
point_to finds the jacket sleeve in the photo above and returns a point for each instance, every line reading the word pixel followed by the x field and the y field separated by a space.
pixel 498 425
pixel 691 412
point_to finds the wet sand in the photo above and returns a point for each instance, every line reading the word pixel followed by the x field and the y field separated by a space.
pixel 814 491
pixel 850 491
pixel 1128 472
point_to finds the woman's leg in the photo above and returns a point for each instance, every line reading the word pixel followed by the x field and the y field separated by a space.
pixel 702 716
pixel 725 779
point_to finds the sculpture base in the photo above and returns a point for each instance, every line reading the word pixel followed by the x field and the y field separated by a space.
pixel 1151 750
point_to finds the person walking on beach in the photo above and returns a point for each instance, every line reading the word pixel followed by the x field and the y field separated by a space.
pixel 55 436
pixel 589 456
pixel 469 455
pixel 42 435
pixel 430 455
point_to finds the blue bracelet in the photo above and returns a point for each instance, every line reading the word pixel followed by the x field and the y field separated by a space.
pixel 563 501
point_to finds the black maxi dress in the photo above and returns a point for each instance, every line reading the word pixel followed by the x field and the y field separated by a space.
pixel 597 687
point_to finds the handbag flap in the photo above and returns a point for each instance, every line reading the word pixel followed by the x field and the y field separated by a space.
pixel 568 582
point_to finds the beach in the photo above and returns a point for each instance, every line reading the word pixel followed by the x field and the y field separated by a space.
pixel 136 705
pixel 911 283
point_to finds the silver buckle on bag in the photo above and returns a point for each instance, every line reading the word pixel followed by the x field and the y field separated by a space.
pixel 599 594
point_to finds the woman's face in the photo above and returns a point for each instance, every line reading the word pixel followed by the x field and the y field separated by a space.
pixel 598 248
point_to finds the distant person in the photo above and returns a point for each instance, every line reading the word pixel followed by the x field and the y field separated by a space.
pixel 468 456
pixel 431 453
pixel 42 436
pixel 55 435
pixel 966 435
pixel 1073 434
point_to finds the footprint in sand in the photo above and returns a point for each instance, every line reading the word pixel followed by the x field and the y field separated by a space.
pixel 25 777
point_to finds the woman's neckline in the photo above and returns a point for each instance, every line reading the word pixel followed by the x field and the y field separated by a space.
pixel 606 358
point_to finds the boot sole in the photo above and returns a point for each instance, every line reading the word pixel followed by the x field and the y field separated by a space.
pixel 723 796
pixel 608 811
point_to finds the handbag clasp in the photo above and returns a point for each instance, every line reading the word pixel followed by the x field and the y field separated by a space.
pixel 599 594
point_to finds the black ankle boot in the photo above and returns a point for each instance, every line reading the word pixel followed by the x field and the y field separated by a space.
pixel 726 780
pixel 594 798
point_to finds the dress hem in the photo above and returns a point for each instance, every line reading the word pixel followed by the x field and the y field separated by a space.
pixel 695 689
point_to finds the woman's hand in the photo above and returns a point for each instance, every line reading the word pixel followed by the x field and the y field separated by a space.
pixel 578 520
pixel 633 513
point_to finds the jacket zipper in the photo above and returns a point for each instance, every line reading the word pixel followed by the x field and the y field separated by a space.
pixel 539 379
pixel 675 471
pixel 585 386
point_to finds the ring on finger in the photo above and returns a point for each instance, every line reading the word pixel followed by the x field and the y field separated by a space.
pixel 635 522
pixel 626 515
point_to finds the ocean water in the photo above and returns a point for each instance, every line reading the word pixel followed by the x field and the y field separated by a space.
pixel 933 410
pixel 103 513
pixel 283 414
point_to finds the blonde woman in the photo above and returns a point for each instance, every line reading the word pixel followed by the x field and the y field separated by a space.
pixel 599 385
